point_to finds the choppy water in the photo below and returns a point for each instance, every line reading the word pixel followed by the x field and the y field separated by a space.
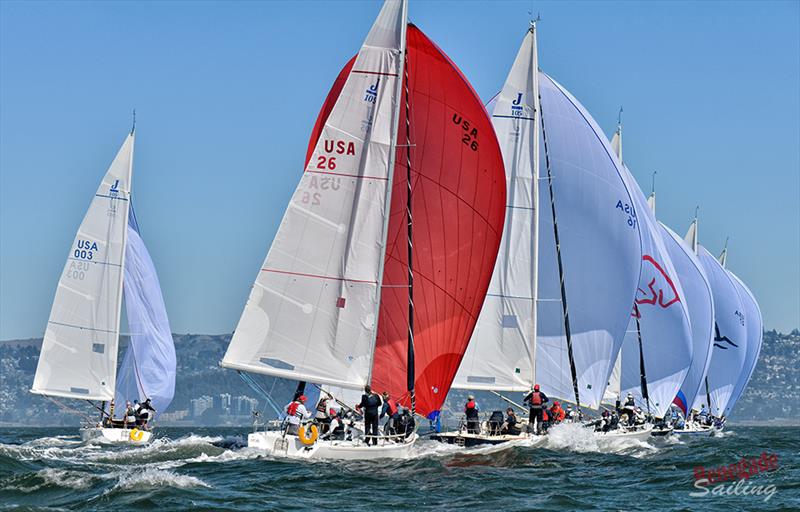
pixel 201 469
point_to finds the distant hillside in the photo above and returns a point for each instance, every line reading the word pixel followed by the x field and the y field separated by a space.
pixel 207 394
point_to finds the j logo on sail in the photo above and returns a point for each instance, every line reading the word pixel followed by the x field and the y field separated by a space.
pixel 516 108
pixel 718 337
pixel 372 92
pixel 114 190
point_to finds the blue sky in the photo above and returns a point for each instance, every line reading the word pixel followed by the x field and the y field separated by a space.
pixel 227 93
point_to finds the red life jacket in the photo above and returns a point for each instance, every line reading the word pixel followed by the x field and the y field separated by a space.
pixel 470 405
pixel 544 415
pixel 536 398
pixel 292 409
pixel 392 406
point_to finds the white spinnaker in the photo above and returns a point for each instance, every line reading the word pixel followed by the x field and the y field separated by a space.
pixel 614 388
pixel 79 350
pixel 700 304
pixel 312 311
pixel 600 249
pixel 691 237
pixel 662 334
pixel 500 355
pixel 730 336
pixel 755 332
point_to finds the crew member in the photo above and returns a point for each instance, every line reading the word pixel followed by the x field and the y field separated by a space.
pixel 370 403
pixel 536 400
pixel 570 414
pixel 511 425
pixel 335 426
pixel 296 412
pixel 129 415
pixel 557 414
pixel 629 408
pixel 391 410
pixel 321 415
pixel 471 412
pixel 146 413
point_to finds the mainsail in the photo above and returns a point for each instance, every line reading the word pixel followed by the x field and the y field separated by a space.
pixel 700 304
pixel 730 336
pixel 312 311
pixel 331 304
pixel 148 366
pixel 500 356
pixel 79 350
pixel 755 330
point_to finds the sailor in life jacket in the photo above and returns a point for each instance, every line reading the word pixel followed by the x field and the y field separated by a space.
pixel 295 413
pixel 321 415
pixel 536 401
pixel 471 412
pixel 629 408
pixel 391 409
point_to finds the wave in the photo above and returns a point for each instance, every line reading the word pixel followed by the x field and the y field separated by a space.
pixel 151 478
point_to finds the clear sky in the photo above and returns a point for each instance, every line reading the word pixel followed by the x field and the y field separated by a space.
pixel 227 93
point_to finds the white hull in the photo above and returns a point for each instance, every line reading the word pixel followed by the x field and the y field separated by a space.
pixel 642 434
pixel 693 429
pixel 116 435
pixel 276 444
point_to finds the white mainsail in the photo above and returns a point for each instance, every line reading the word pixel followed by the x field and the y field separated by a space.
pixel 700 304
pixel 730 336
pixel 312 311
pixel 500 355
pixel 79 350
pixel 755 332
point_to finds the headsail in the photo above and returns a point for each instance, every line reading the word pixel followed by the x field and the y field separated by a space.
pixel 755 332
pixel 700 304
pixel 312 312
pixel 148 367
pixel 501 353
pixel 600 247
pixel 730 336
pixel 79 350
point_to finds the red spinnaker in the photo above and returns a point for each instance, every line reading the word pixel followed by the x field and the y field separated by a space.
pixel 458 213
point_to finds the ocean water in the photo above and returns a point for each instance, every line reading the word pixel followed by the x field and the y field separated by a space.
pixel 204 469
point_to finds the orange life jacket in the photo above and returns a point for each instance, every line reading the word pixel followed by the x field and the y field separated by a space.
pixel 392 406
pixel 536 398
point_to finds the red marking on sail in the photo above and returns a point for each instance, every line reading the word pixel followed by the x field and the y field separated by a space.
pixel 458 212
pixel 657 296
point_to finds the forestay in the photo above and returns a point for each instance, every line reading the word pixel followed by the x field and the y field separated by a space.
pixel 700 304
pixel 148 367
pixel 600 249
pixel 79 350
pixel 755 331
pixel 730 336
pixel 500 355
pixel 312 311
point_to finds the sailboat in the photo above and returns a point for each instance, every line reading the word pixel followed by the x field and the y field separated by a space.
pixel 382 260
pixel 79 352
pixel 657 351
pixel 570 257
pixel 730 334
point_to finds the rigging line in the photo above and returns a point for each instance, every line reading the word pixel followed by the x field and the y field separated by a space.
pixel 564 307
pixel 410 370
pixel 642 374
pixel 259 390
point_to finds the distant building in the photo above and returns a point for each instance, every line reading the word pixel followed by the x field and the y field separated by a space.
pixel 244 405
pixel 174 416
pixel 222 404
pixel 199 405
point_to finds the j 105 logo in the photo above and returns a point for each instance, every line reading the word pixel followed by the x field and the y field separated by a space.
pixel 516 106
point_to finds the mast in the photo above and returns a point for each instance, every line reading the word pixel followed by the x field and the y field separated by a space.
pixel 535 195
pixel 410 371
pixel 642 373
pixel 398 88
pixel 565 309
pixel 723 257
pixel 124 246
